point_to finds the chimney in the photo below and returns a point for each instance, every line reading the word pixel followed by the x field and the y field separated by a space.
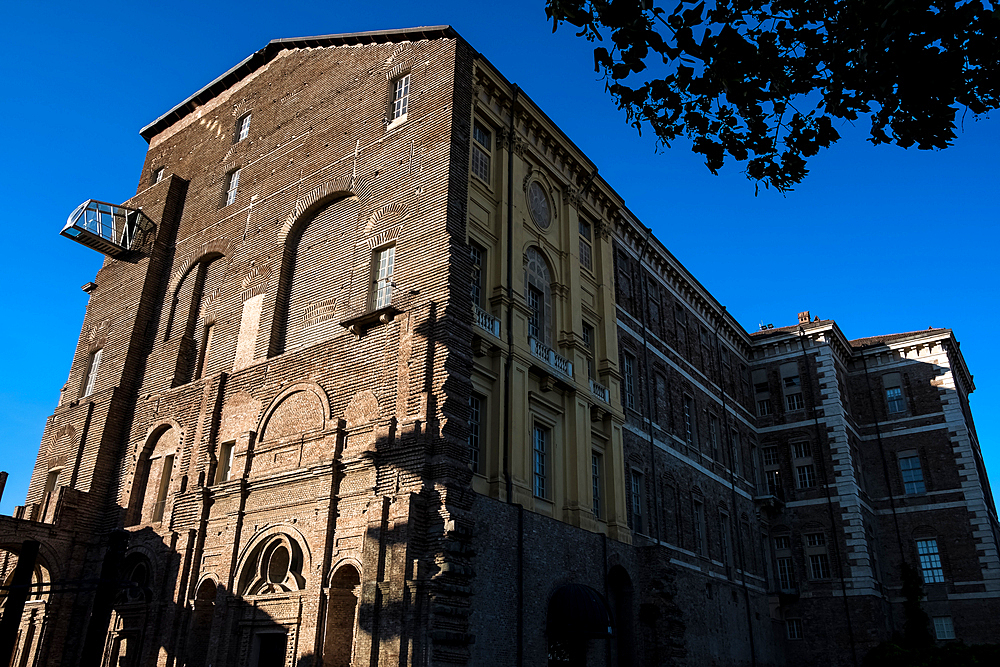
pixel 804 317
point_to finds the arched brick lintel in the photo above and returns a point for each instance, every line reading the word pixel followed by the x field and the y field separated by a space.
pixel 343 186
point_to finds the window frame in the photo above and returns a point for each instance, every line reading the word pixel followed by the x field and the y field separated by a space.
pixel 242 127
pixel 911 476
pixel 597 481
pixel 945 630
pixel 637 500
pixel 89 383
pixel 793 629
pixel 382 274
pixel 232 186
pixel 929 558
pixel 628 380
pixel 484 151
pixel 477 254
pixel 586 246
pixel 540 461
pixel 475 432
pixel 399 100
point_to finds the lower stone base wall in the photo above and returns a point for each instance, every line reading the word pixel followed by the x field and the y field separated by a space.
pixel 663 614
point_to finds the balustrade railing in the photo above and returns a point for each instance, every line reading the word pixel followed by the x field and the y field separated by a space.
pixel 486 322
pixel 550 357
pixel 599 390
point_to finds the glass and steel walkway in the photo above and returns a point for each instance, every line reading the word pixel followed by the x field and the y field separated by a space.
pixel 106 228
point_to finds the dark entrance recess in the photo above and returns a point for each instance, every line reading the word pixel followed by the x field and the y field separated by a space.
pixel 271 649
pixel 577 614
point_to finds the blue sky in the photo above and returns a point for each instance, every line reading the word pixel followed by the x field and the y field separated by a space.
pixel 880 239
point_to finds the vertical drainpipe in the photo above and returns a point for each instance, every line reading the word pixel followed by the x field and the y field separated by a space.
pixel 507 373
pixel 829 499
pixel 732 490
pixel 649 392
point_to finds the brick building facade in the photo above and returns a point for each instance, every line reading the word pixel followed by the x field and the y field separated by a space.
pixel 385 373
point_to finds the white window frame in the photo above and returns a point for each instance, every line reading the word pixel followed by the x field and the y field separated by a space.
pixel 383 263
pixel 243 127
pixel 93 366
pixel 232 186
pixel 399 99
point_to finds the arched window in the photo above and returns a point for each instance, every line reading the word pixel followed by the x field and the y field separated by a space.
pixel 317 265
pixel 274 566
pixel 201 624
pixel 151 485
pixel 538 295
pixel 193 318
pixel 342 617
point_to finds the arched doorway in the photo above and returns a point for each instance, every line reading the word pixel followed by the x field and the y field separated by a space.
pixel 341 617
pixel 201 624
pixel 620 594
pixel 576 614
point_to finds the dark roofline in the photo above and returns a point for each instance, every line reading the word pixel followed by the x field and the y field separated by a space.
pixel 258 59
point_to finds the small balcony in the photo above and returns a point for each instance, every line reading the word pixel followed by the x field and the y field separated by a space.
pixel 600 391
pixel 554 361
pixel 107 228
pixel 485 321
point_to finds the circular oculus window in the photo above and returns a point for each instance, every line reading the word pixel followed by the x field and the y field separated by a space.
pixel 538 204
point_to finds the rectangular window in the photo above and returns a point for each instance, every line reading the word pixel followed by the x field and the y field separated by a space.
pixel 713 435
pixel 586 252
pixel 699 528
pixel 894 401
pixel 688 422
pixel 724 539
pixel 805 476
pixel 475 430
pixel 628 380
pixel 800 450
pixel 773 478
pixel 763 407
pixel 232 185
pixel 164 488
pixel 794 402
pixel 913 476
pixel 786 575
pixel 477 254
pixel 770 456
pixel 242 128
pixel 943 628
pixel 482 147
pixel 930 561
pixel 588 343
pixel 595 479
pixel 541 446
pixel 158 175
pixel 400 97
pixel 536 305
pixel 782 542
pixel 225 468
pixel 793 628
pixel 382 278
pixel 816 540
pixel 819 566
pixel 636 486
pixel 93 364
